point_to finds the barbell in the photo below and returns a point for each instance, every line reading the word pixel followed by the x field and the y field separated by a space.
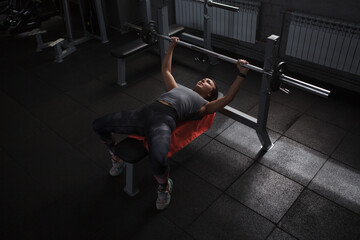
pixel 150 35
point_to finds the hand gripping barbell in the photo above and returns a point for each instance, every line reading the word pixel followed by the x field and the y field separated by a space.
pixel 150 35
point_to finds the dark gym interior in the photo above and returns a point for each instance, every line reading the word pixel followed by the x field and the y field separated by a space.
pixel 54 171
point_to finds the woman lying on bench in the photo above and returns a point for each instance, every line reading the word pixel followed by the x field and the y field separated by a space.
pixel 158 120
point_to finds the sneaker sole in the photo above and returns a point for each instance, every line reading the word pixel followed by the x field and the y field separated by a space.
pixel 170 191
pixel 119 172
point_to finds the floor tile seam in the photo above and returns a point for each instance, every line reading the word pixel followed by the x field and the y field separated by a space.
pixel 336 203
pixel 322 120
pixel 192 154
pixel 274 130
pixel 40 183
pixel 221 131
pixel 271 232
pixel 340 162
pixel 232 148
pixel 44 80
pixel 300 112
pixel 96 163
pixel 281 174
pixel 291 205
pixel 308 188
pixel 247 112
pixel 205 180
pixel 277 226
pixel 178 226
pixel 328 157
pixel 98 80
pixel 340 142
pixel 317 172
pixel 310 147
pixel 252 210
pixel 27 172
pixel 302 144
pixel 203 212
pixel 75 146
pixel 129 95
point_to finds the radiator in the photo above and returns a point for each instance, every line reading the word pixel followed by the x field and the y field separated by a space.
pixel 324 41
pixel 236 25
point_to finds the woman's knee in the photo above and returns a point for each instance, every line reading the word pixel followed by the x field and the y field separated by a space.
pixel 158 160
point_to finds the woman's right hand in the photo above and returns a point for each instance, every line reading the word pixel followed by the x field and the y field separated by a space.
pixel 174 41
pixel 240 66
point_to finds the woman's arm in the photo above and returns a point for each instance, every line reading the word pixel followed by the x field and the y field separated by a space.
pixel 169 80
pixel 220 103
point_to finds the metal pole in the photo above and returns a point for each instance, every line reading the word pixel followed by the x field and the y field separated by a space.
pixel 67 19
pixel 163 21
pixel 264 101
pixel 304 86
pixel 214 54
pixel 101 20
pixel 289 80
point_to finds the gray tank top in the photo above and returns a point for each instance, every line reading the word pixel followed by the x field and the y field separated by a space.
pixel 186 102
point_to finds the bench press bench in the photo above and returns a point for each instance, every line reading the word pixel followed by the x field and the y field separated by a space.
pixel 132 48
pixel 134 148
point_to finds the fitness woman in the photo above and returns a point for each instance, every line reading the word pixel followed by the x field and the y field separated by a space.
pixel 157 120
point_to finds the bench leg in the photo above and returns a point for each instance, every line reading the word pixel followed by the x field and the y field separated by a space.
pixel 39 42
pixel 130 188
pixel 121 72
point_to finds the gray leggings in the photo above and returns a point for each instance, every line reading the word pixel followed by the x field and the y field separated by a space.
pixel 155 121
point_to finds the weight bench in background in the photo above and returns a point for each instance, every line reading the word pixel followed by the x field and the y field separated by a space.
pixel 132 48
pixel 134 148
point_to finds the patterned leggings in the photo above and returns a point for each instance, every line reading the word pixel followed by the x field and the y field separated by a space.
pixel 155 121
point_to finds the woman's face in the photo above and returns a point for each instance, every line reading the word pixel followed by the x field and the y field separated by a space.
pixel 204 87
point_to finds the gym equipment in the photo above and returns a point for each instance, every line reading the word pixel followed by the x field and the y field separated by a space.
pixel 58 44
pixel 95 17
pixel 93 26
pixel 132 48
pixel 131 150
pixel 270 63
pixel 25 15
pixel 205 41
pixel 150 35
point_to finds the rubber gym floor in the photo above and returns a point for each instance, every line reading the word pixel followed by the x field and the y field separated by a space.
pixel 54 171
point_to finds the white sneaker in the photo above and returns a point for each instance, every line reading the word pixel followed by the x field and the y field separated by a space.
pixel 164 197
pixel 117 168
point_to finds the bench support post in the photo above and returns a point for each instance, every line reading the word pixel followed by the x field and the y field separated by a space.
pixel 130 188
pixel 121 81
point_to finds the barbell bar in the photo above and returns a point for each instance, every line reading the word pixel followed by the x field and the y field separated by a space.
pixel 214 54
pixel 149 35
pixel 212 3
pixel 289 80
